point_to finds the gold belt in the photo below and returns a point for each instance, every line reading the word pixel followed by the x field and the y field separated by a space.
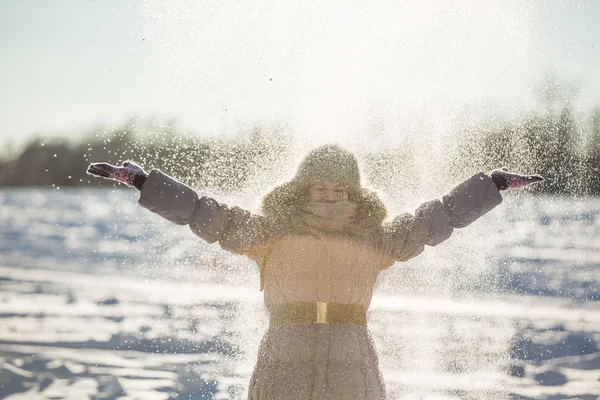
pixel 320 312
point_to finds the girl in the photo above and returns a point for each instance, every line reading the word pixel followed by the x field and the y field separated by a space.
pixel 320 244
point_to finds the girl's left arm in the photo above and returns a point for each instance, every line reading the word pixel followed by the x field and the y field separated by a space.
pixel 433 222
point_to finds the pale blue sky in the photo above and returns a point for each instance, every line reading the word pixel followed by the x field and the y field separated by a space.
pixel 68 65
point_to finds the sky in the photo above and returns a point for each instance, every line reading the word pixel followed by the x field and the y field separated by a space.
pixel 323 68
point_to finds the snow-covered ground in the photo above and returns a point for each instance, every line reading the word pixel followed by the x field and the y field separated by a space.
pixel 99 299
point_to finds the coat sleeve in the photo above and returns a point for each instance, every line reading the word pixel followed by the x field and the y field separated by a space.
pixel 236 230
pixel 433 222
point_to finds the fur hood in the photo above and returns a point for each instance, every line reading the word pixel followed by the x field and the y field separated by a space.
pixel 283 203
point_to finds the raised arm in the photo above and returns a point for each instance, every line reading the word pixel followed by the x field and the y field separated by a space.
pixel 235 229
pixel 433 222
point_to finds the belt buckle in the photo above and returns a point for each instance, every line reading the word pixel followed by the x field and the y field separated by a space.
pixel 321 312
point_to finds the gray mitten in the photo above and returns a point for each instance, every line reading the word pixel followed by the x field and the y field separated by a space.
pixel 509 180
pixel 130 173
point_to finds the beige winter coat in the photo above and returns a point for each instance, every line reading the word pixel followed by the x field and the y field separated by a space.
pixel 300 263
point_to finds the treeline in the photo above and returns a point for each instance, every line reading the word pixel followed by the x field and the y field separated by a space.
pixel 557 145
pixel 560 147
pixel 216 163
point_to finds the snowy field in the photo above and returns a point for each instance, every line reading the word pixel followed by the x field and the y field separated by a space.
pixel 99 299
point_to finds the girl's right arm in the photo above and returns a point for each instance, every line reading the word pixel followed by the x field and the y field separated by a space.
pixel 236 230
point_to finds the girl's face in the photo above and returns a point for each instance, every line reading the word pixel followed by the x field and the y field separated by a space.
pixel 327 191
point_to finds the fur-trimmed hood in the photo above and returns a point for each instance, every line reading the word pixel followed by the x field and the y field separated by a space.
pixel 284 202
